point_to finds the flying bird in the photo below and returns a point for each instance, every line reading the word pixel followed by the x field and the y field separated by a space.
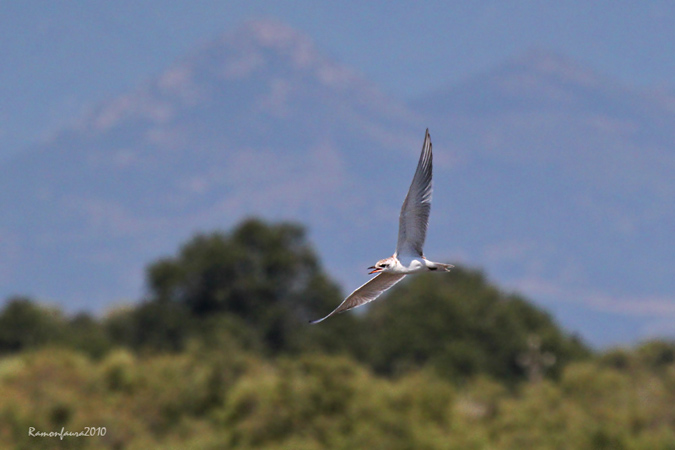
pixel 412 231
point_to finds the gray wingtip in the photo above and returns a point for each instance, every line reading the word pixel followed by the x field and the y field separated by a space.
pixel 313 322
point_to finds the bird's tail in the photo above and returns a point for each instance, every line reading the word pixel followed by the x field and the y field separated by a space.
pixel 445 267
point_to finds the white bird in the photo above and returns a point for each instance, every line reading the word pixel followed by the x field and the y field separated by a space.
pixel 412 231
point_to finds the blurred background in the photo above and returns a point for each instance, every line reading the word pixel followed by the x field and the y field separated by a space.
pixel 185 184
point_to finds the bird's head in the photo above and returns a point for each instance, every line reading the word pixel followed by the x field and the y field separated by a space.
pixel 381 266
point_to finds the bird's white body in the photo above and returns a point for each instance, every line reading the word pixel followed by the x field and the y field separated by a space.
pixel 412 230
pixel 413 265
pixel 410 265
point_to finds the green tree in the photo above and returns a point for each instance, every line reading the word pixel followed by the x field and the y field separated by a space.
pixel 462 325
pixel 266 276
pixel 87 334
pixel 25 324
pixel 151 326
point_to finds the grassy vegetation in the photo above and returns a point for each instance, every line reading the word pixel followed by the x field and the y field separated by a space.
pixel 220 355
pixel 206 398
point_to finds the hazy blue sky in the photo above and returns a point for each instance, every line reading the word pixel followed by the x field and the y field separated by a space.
pixel 61 57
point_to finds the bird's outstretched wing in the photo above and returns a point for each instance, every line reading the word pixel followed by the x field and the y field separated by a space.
pixel 414 218
pixel 366 293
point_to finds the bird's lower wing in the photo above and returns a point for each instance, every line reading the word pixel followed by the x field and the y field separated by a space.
pixel 366 293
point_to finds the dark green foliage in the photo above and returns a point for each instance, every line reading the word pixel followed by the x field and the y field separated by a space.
pixel 152 326
pixel 24 324
pixel 462 326
pixel 655 354
pixel 256 287
pixel 244 273
pixel 207 398
pixel 87 334
pixel 263 277
pixel 220 355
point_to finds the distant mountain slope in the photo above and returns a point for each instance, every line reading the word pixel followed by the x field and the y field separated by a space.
pixel 554 179
pixel 571 178
pixel 255 123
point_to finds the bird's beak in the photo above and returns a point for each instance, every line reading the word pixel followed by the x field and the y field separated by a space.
pixel 373 270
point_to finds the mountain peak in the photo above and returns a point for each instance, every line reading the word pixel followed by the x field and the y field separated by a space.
pixel 272 33
pixel 536 80
pixel 264 59
pixel 261 43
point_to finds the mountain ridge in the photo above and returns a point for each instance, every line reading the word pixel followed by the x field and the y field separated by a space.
pixel 547 175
